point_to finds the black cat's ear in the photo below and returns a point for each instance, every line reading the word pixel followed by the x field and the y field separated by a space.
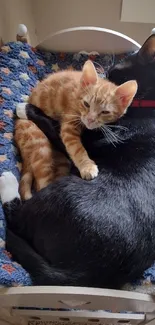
pixel 146 53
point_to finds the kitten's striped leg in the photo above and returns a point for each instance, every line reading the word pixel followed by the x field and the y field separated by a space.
pixel 42 183
pixel 26 183
pixel 62 165
pixel 71 137
pixel 43 167
pixel 43 175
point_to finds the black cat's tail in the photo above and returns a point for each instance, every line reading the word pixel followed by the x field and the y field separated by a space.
pixel 50 127
pixel 40 271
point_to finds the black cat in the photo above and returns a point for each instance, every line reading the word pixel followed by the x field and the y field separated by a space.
pixel 98 233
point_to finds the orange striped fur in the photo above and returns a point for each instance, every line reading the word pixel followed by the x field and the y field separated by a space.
pixel 77 99
pixel 41 163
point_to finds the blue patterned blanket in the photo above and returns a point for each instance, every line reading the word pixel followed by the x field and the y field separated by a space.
pixel 21 66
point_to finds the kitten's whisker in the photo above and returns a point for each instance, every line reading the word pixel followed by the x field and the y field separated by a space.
pixel 71 121
pixel 114 137
pixel 79 124
pixel 104 131
pixel 107 136
pixel 88 90
pixel 117 138
pixel 101 70
pixel 118 127
pixel 111 140
pixel 75 115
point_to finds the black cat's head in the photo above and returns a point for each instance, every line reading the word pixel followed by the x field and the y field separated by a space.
pixel 139 66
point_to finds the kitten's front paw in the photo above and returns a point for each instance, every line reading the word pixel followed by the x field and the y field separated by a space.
pixel 21 111
pixel 89 171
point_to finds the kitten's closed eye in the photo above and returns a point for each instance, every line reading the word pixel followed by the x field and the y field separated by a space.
pixel 105 112
pixel 86 104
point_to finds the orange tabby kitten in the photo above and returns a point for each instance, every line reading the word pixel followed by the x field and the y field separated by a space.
pixel 41 163
pixel 77 99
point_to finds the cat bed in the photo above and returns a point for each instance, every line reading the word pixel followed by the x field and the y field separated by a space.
pixel 21 66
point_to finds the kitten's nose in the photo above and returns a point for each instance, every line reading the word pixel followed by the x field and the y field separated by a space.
pixel 90 120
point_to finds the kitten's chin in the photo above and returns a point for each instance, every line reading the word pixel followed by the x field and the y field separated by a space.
pixel 89 126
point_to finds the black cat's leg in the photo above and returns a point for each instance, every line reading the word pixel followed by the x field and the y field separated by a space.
pixel 46 124
pixel 10 197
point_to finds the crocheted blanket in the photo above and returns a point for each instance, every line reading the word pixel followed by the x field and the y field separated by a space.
pixel 21 66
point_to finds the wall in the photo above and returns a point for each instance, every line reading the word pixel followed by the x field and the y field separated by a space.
pixel 12 13
pixel 46 16
pixel 145 15
pixel 53 15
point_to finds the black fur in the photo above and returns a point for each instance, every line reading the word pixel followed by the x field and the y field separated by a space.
pixel 50 127
pixel 98 233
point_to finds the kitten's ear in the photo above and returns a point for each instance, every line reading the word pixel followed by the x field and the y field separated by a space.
pixel 125 94
pixel 146 53
pixel 89 74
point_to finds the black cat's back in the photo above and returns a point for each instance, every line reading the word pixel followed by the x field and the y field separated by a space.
pixel 99 227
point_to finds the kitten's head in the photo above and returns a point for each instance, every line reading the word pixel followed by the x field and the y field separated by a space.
pixel 102 101
pixel 139 66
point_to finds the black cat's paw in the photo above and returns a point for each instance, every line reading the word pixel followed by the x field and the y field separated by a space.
pixel 21 111
pixel 8 187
